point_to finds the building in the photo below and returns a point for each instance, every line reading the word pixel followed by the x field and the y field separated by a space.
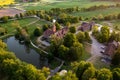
pixel 49 32
pixel 60 33
pixel 85 26
pixel 111 48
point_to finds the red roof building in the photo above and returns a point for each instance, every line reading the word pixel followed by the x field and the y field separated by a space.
pixel 110 49
pixel 60 33
pixel 85 26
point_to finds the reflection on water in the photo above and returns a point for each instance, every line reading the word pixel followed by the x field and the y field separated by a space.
pixel 25 53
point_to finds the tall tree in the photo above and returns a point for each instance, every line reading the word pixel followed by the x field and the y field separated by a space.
pixel 104 74
pixel 72 29
pixel 116 74
pixel 76 51
pixel 69 39
pixel 80 36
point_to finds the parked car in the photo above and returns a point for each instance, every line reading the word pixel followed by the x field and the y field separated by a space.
pixel 102 47
pixel 102 52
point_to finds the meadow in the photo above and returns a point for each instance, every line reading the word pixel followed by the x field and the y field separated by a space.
pixel 48 4
pixel 104 12
pixel 23 22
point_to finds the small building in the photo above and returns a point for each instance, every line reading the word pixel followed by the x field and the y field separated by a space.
pixel 110 49
pixel 85 26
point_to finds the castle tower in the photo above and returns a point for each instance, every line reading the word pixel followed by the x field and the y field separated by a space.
pixel 54 27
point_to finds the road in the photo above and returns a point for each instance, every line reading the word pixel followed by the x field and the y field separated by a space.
pixel 95 49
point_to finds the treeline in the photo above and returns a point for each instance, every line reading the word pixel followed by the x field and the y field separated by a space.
pixel 107 0
pixel 92 8
pixel 56 12
pixel 107 17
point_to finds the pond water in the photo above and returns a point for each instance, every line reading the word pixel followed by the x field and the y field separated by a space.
pixel 25 53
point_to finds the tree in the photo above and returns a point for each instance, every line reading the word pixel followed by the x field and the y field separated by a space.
pixel 5 19
pixel 69 39
pixel 37 32
pixel 116 74
pixel 82 67
pixel 104 34
pixel 116 58
pixel 55 44
pixel 95 31
pixel 63 51
pixel 57 26
pixel 112 36
pixel 89 73
pixel 117 36
pixel 17 16
pixel 2 44
pixel 63 15
pixel 47 17
pixel 80 36
pixel 100 17
pixel 21 15
pixel 67 24
pixel 46 71
pixel 76 51
pixel 68 76
pixel 45 27
pixel 104 74
pixel 119 16
pixel 72 29
pixel 87 37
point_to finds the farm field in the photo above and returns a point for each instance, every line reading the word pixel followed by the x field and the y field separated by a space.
pixel 104 12
pixel 47 4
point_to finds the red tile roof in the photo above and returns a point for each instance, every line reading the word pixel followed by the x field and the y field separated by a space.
pixel 85 26
pixel 52 31
pixel 110 49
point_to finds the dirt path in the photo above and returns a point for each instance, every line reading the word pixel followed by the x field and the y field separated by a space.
pixel 9 12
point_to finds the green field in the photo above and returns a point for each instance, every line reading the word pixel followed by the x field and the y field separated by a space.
pixel 22 22
pixel 89 14
pixel 37 24
pixel 48 4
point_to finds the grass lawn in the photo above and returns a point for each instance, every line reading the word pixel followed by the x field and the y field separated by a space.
pixel 37 24
pixel 22 23
pixel 89 14
pixel 86 54
pixel 116 23
pixel 48 4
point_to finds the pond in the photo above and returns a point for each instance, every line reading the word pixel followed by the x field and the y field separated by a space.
pixel 26 53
